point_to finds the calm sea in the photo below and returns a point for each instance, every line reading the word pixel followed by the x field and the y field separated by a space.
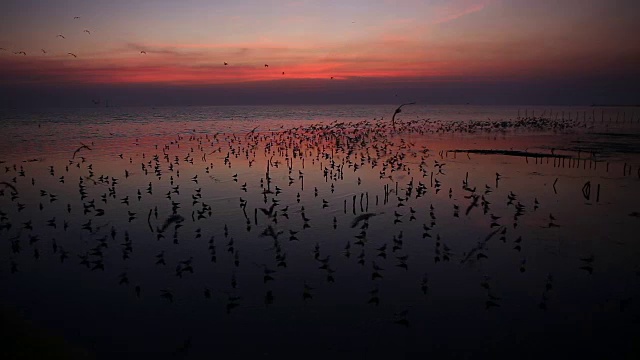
pixel 44 130
pixel 467 255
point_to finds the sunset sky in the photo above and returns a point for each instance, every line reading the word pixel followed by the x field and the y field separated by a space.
pixel 446 51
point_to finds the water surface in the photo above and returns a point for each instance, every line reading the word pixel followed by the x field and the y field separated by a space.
pixel 463 255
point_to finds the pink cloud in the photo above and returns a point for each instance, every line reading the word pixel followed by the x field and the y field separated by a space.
pixel 459 13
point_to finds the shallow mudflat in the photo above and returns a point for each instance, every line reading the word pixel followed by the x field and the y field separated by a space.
pixel 337 237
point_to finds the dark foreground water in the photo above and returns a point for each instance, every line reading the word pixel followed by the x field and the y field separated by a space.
pixel 465 232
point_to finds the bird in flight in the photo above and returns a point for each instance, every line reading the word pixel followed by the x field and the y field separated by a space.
pixel 225 63
pixel 76 17
pixel 43 51
pixel 332 78
pixel 266 65
pixel 399 110
pixel 362 217
pixel 143 52
pixel 87 31
pixel 72 54
pixel 9 186
pixel 20 53
pixel 80 148
pixel 61 36
pixel 283 73
pixel 252 131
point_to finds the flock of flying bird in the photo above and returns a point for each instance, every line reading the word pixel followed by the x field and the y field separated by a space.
pixel 407 175
pixel 24 53
pixel 88 32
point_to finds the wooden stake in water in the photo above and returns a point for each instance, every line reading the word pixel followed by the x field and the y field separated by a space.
pixel 354 205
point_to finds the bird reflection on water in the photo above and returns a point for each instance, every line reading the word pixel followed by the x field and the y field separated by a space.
pixel 218 223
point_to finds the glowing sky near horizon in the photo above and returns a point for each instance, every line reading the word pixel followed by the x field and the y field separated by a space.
pixel 186 42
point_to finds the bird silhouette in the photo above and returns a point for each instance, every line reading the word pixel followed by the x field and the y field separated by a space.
pixel 362 217
pixel 399 110
pixel 82 146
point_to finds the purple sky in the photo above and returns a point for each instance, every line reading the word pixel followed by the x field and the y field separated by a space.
pixel 376 51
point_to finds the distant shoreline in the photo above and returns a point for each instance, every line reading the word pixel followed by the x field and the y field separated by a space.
pixel 613 105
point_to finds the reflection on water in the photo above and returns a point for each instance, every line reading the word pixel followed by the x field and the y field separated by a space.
pixel 327 237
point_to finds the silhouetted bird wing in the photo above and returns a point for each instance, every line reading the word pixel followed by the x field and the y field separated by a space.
pixel 361 217
pixel 170 220
pixel 9 186
pixel 80 148
pixel 398 110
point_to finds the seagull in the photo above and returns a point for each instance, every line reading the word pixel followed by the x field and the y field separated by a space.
pixel 362 217
pixel 61 36
pixel 20 53
pixel 87 31
pixel 266 65
pixel 399 110
pixel 80 148
pixel 252 131
pixel 72 54
pixel 143 52
pixel 9 186
pixel 225 63
pixel 76 17
pixel 43 51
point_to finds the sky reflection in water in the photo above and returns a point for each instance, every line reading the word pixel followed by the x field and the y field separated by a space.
pixel 560 273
